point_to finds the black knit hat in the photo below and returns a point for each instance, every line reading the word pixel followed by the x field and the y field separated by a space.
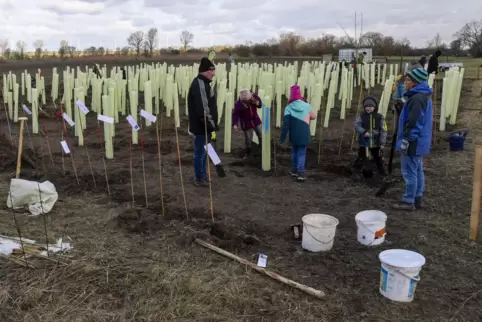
pixel 371 101
pixel 206 65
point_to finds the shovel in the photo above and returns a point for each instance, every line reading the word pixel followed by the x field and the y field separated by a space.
pixel 219 167
pixel 386 184
pixel 368 169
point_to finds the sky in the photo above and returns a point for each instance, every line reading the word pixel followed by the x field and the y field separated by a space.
pixel 108 23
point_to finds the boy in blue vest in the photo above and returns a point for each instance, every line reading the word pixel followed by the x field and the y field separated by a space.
pixel 414 136
pixel 372 133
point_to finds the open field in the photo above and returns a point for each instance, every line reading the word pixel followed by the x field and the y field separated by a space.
pixel 138 265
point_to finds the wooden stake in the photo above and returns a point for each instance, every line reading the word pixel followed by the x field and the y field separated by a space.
pixel 159 135
pixel 309 290
pixel 22 120
pixel 44 130
pixel 209 168
pixel 144 167
pixel 87 152
pixel 180 168
pixel 321 129
pixel 64 128
pixel 103 157
pixel 476 192
pixel 130 169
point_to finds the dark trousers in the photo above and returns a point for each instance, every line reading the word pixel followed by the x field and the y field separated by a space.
pixel 375 152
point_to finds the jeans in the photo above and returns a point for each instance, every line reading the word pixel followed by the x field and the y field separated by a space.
pixel 298 158
pixel 200 157
pixel 412 172
pixel 248 136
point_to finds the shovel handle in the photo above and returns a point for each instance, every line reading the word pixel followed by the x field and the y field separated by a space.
pixel 20 146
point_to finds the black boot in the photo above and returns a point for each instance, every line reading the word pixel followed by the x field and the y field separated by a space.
pixel 247 154
pixel 418 203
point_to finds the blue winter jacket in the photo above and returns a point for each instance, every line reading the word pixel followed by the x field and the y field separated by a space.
pixel 415 123
pixel 296 122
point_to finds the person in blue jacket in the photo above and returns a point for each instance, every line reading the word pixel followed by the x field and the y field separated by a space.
pixel 414 136
pixel 296 122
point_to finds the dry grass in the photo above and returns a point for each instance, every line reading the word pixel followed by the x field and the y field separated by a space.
pixel 133 265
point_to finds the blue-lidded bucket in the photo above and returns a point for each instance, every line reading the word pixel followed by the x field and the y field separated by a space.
pixel 457 140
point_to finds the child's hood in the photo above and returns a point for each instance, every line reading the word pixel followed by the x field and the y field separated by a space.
pixel 298 106
pixel 373 100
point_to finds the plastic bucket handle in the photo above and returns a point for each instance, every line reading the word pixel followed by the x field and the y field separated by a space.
pixel 321 242
pixel 460 133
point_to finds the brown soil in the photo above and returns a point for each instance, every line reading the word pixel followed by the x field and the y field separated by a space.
pixel 134 263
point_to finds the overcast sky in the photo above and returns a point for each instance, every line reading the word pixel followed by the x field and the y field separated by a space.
pixel 108 23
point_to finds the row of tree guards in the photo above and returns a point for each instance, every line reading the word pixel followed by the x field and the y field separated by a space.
pixel 115 100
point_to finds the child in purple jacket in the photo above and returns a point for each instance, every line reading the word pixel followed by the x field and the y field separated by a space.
pixel 246 118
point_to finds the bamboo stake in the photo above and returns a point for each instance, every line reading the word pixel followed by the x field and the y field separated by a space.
pixel 476 192
pixel 62 137
pixel 143 166
pixel 309 290
pixel 159 134
pixel 18 230
pixel 30 137
pixel 67 139
pixel 20 147
pixel 44 215
pixel 103 157
pixel 344 122
pixel 130 170
pixel 44 130
pixel 209 169
pixel 321 129
pixel 180 167
pixel 356 116
pixel 87 151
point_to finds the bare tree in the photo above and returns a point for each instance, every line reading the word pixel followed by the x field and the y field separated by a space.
pixel 435 42
pixel 471 36
pixel 64 45
pixel 456 47
pixel 21 45
pixel 186 38
pixel 38 45
pixel 371 39
pixel 135 40
pixel 151 40
pixel 3 46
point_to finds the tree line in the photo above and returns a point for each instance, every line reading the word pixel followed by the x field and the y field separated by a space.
pixel 467 42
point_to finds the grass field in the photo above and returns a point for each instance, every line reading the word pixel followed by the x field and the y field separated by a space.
pixel 138 265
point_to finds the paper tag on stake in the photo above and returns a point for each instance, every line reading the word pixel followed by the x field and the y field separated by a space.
pixel 82 107
pixel 148 116
pixel 68 119
pixel 106 119
pixel 65 147
pixel 262 260
pixel 25 108
pixel 212 154
pixel 133 123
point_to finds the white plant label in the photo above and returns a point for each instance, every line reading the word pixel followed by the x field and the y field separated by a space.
pixel 65 147
pixel 26 109
pixel 133 123
pixel 82 107
pixel 68 119
pixel 105 119
pixel 262 260
pixel 212 154
pixel 148 116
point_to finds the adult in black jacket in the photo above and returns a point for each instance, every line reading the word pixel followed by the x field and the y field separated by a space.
pixel 433 62
pixel 203 117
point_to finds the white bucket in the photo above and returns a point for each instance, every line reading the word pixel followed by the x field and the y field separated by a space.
pixel 399 274
pixel 371 227
pixel 318 232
